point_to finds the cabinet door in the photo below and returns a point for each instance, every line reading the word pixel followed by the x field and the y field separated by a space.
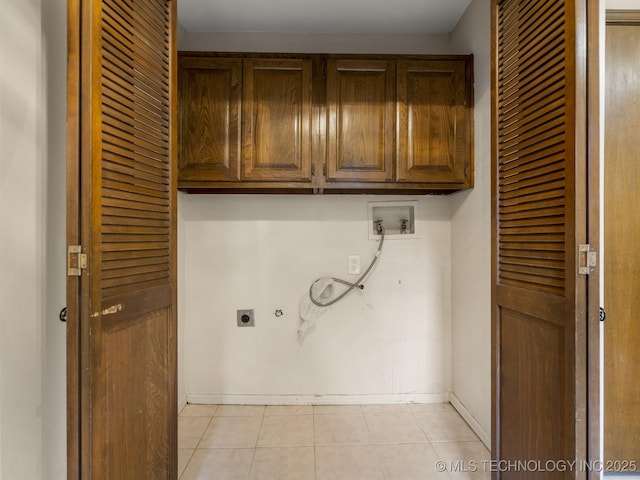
pixel 360 120
pixel 434 122
pixel 276 126
pixel 210 119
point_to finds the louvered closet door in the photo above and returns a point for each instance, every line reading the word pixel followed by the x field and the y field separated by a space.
pixel 539 206
pixel 127 320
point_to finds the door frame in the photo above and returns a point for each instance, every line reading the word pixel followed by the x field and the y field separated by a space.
pixel 73 237
pixel 594 145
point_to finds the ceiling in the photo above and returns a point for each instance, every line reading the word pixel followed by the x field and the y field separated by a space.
pixel 325 16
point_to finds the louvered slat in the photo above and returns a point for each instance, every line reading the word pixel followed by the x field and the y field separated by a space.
pixel 531 145
pixel 125 155
pixel 524 167
pixel 130 214
pixel 135 147
pixel 125 44
pixel 132 262
pixel 135 254
pixel 133 181
pixel 115 163
pixel 133 20
pixel 546 28
pixel 144 81
pixel 114 199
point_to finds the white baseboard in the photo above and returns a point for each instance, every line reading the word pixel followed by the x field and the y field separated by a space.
pixel 229 399
pixel 181 404
pixel 484 436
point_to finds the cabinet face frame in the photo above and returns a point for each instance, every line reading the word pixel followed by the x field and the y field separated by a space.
pixel 277 120
pixel 434 131
pixel 318 170
pixel 360 120
pixel 210 112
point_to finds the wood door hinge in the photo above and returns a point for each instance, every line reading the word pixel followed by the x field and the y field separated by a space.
pixel 587 259
pixel 76 260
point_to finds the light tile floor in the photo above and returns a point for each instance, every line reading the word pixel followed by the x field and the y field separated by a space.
pixel 343 442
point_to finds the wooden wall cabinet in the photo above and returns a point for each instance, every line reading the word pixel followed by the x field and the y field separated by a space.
pixel 325 123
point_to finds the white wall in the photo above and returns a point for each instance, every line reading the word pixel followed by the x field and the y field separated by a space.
pixel 32 193
pixel 388 343
pixel 622 4
pixel 54 424
pixel 314 42
pixel 471 240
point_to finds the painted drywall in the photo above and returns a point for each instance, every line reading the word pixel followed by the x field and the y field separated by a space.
pixel 314 42
pixel 471 239
pixel 622 5
pixel 388 342
pixel 32 195
pixel 54 406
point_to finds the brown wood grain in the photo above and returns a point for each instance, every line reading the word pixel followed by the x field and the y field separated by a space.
pixel 539 187
pixel 122 193
pixel 210 106
pixel 595 32
pixel 434 131
pixel 621 234
pixel 73 390
pixel 360 120
pixel 276 120
pixel 363 151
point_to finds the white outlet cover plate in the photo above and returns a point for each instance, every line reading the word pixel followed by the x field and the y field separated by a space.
pixel 354 267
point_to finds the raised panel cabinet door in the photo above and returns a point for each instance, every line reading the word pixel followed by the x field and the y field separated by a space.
pixel 434 140
pixel 209 116
pixel 360 120
pixel 276 124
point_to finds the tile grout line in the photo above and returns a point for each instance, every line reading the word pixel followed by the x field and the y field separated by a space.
pixel 187 464
pixel 195 447
pixel 371 446
pixel 203 432
pixel 375 448
pixel 313 430
pixel 424 430
pixel 255 447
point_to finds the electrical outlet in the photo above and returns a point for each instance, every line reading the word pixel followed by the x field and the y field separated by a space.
pixel 245 318
pixel 354 265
